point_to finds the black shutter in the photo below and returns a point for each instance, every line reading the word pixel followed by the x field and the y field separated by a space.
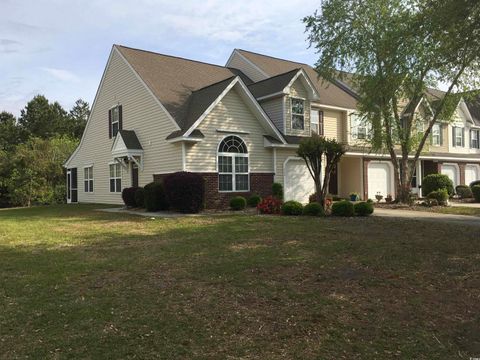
pixel 110 123
pixel 453 135
pixel 470 137
pixel 463 137
pixel 120 118
pixel 441 134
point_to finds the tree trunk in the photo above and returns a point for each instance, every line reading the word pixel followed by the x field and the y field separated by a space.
pixel 404 179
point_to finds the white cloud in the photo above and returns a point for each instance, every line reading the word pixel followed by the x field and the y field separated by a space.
pixel 62 74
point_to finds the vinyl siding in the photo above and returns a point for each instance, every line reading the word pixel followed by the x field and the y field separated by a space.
pixel 141 113
pixel 238 62
pixel 297 90
pixel 274 109
pixel 230 114
pixel 350 176
pixel 282 156
pixel 333 124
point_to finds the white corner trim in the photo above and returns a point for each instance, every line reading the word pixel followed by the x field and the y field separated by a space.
pixel 184 160
pixel 148 88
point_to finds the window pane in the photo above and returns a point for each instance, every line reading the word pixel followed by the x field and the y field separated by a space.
pixel 241 164
pixel 297 106
pixel 118 184
pixel 114 129
pixel 314 117
pixel 225 164
pixel 225 182
pixel 297 122
pixel 315 129
pixel 241 182
pixel 118 170
pixel 111 171
pixel 115 114
pixel 112 185
pixel 86 186
pixel 85 173
pixel 91 185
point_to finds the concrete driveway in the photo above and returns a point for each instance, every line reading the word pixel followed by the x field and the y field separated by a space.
pixel 428 216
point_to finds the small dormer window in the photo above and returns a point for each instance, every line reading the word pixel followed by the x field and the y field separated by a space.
pixel 436 135
pixel 298 114
pixel 458 136
pixel 474 139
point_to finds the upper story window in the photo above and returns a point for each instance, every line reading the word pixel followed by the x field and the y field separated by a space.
pixel 475 139
pixel 358 128
pixel 436 135
pixel 458 136
pixel 316 119
pixel 88 178
pixel 298 114
pixel 114 120
pixel 115 178
pixel 233 174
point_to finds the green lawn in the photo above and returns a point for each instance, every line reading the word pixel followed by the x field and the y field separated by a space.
pixel 458 210
pixel 81 284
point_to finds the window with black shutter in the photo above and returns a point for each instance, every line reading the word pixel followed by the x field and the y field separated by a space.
pixel 115 121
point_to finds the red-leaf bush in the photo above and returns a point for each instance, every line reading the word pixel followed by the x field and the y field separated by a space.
pixel 185 191
pixel 128 196
pixel 270 205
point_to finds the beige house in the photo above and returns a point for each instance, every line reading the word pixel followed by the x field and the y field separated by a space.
pixel 239 126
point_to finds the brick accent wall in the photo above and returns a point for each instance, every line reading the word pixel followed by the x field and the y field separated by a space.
pixel 260 183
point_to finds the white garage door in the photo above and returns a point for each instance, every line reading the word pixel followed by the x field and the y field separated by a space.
pixel 299 184
pixel 379 179
pixel 471 173
pixel 451 172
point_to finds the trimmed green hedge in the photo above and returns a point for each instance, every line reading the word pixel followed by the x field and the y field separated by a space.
pixel 434 182
pixel 464 191
pixel 343 208
pixel 154 197
pixel 254 200
pixel 441 196
pixel 363 208
pixel 292 208
pixel 314 209
pixel 238 203
pixel 476 192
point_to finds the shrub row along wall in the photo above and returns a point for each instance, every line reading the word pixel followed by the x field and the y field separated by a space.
pixel 260 184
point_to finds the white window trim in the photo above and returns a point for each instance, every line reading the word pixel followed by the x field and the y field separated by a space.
pixel 114 178
pixel 112 119
pixel 472 131
pixel 439 135
pixel 458 130
pixel 315 120
pixel 233 173
pixel 297 114
pixel 92 179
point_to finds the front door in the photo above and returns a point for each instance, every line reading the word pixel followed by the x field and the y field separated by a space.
pixel 72 191
pixel 134 175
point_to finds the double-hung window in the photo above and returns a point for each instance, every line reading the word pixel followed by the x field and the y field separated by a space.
pixel 316 120
pixel 436 135
pixel 458 136
pixel 298 114
pixel 475 139
pixel 233 167
pixel 114 120
pixel 88 179
pixel 358 127
pixel 115 178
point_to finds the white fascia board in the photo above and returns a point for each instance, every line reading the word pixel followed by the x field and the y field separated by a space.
pixel 170 117
pixel 331 107
pixel 254 106
pixel 184 139
pixel 305 81
pixel 92 108
pixel 277 94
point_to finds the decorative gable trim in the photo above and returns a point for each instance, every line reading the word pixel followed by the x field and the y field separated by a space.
pixel 306 82
pixel 261 115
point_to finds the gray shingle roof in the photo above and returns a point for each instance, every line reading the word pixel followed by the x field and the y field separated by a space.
pixel 130 139
pixel 273 84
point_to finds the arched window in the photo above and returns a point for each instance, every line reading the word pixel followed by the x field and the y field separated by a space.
pixel 233 165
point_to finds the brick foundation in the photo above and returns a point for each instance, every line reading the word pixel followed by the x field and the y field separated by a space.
pixel 260 184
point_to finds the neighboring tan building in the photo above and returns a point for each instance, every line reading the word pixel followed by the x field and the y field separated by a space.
pixel 238 126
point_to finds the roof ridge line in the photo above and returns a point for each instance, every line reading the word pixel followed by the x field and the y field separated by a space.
pixel 273 57
pixel 216 83
pixel 170 56
pixel 272 77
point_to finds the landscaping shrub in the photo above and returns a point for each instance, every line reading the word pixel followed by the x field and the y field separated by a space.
pixel 343 208
pixel 476 192
pixel 363 208
pixel 238 203
pixel 185 191
pixel 128 196
pixel 440 195
pixel 277 190
pixel 473 183
pixel 140 197
pixel 155 198
pixel 312 198
pixel 292 208
pixel 370 201
pixel 464 191
pixel 254 200
pixel 269 205
pixel 434 182
pixel 313 209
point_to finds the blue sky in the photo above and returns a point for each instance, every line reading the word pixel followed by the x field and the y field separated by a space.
pixel 60 48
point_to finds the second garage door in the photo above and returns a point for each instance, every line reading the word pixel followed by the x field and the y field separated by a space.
pixel 451 172
pixel 379 179
pixel 298 183
pixel 471 173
